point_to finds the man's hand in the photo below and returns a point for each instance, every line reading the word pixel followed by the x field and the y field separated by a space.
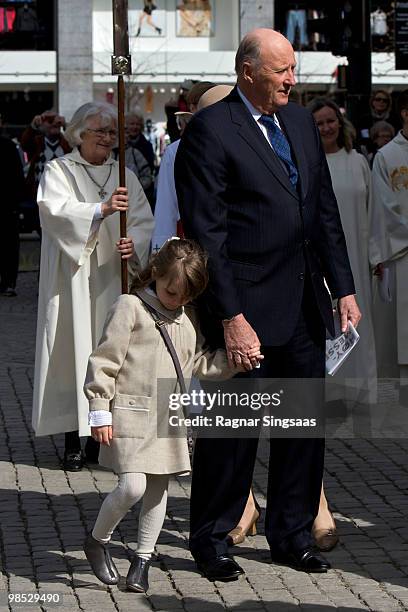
pixel 102 434
pixel 241 343
pixel 348 311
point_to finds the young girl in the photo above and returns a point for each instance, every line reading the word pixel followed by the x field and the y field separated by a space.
pixel 122 389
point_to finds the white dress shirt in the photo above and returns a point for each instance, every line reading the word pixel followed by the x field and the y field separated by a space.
pixel 257 115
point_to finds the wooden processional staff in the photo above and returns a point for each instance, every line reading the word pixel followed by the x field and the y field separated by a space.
pixel 121 65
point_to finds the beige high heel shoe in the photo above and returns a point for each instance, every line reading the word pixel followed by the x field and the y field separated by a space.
pixel 239 533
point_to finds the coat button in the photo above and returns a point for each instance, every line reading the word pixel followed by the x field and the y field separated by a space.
pixel 132 402
pixel 301 276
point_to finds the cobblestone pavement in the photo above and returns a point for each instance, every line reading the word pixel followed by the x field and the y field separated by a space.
pixel 45 514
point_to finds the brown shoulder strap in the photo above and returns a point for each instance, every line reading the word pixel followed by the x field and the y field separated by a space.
pixel 170 347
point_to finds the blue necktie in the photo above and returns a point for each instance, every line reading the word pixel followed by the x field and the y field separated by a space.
pixel 280 145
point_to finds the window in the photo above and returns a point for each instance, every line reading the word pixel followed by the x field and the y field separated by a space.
pixel 27 24
pixel 306 24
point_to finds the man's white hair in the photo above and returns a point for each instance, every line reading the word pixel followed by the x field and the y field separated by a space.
pixel 249 51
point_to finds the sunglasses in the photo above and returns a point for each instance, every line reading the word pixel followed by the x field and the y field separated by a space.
pixel 380 99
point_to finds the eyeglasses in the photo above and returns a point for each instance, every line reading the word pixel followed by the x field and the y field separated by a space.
pixel 102 133
pixel 380 99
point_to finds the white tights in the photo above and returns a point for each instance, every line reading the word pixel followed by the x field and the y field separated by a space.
pixel 131 488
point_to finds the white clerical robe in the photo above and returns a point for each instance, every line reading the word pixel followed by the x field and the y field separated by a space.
pixel 79 281
pixel 351 180
pixel 389 245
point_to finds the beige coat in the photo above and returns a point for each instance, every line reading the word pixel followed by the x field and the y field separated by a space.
pixel 131 373
pixel 79 282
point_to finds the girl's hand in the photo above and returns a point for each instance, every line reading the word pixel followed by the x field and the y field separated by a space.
pixel 102 434
pixel 125 247
pixel 117 202
pixel 254 357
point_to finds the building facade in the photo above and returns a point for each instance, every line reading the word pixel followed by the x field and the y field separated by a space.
pixel 56 53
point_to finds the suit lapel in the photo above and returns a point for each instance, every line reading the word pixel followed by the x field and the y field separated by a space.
pixel 252 134
pixel 294 135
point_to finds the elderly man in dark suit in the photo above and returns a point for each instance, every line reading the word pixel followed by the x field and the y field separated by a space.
pixel 254 189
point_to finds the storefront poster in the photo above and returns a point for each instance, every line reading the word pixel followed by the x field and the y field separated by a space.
pixel 147 18
pixel 195 18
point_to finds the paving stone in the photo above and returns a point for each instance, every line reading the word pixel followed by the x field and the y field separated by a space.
pixel 366 483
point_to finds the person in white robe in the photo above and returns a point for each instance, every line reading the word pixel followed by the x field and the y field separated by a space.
pixel 356 380
pixel 389 254
pixel 80 277
pixel 166 213
pixel 351 179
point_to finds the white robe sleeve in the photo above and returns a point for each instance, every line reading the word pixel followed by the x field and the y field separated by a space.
pixel 65 219
pixel 140 220
pixel 388 228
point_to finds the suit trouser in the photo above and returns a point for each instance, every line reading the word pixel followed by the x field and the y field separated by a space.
pixel 223 468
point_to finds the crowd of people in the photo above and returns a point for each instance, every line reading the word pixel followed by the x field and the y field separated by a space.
pixel 265 215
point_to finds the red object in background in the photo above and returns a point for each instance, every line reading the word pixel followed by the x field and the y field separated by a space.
pixel 7 19
pixel 110 95
pixel 182 104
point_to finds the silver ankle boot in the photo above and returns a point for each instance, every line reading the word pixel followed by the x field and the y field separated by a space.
pixel 100 561
pixel 137 578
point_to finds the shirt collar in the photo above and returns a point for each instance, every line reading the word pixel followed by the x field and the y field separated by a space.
pixel 254 111
pixel 400 139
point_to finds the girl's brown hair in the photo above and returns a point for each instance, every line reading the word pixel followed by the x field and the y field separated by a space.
pixel 182 261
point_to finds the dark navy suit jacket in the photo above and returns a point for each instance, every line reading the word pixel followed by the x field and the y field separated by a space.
pixel 263 237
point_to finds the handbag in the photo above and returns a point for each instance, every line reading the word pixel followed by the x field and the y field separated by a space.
pixel 160 325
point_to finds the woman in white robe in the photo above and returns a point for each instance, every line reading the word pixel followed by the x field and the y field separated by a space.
pixel 80 267
pixel 351 179
pixel 356 380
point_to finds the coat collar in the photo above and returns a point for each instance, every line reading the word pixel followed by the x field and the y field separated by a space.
pixel 76 157
pixel 174 316
pixel 251 133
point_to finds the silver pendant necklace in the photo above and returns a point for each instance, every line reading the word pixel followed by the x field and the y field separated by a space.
pixel 102 193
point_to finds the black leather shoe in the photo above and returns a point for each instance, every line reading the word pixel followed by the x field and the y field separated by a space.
pixel 137 577
pixel 222 567
pixel 73 461
pixel 100 561
pixel 306 560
